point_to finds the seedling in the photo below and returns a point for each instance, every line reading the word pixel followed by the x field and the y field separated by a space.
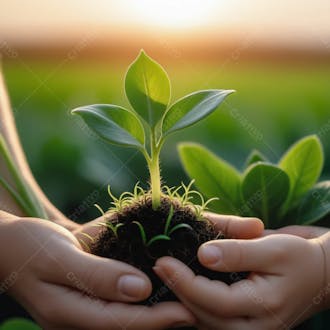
pixel 146 224
pixel 280 194
pixel 151 120
pixel 167 231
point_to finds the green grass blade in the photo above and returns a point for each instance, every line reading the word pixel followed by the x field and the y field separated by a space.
pixel 142 232
pixel 168 220
pixel 179 226
pixel 158 238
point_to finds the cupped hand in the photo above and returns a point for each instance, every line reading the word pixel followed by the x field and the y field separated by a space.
pixel 45 269
pixel 286 285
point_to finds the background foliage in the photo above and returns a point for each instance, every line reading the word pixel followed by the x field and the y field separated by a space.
pixel 277 102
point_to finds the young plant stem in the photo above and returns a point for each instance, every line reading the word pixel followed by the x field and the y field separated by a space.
pixel 153 165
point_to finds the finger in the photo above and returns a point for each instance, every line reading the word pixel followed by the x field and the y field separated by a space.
pixel 6 215
pixel 268 232
pixel 207 321
pixel 82 312
pixel 100 277
pixel 88 231
pixel 307 232
pixel 237 227
pixel 198 291
pixel 240 255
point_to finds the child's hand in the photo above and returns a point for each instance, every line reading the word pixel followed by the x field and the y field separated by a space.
pixel 286 285
pixel 301 231
pixel 233 226
pixel 44 268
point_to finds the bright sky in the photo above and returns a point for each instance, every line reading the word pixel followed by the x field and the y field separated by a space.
pixel 297 21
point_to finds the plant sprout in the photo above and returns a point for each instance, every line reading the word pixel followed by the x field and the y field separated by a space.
pixel 167 231
pixel 128 198
pixel 152 119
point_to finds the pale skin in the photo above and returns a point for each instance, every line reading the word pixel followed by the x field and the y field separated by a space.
pixel 45 269
pixel 289 279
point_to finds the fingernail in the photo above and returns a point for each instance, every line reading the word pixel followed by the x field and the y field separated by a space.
pixel 132 286
pixel 158 270
pixel 162 271
pixel 210 254
pixel 168 277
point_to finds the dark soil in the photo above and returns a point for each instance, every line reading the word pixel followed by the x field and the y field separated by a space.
pixel 128 246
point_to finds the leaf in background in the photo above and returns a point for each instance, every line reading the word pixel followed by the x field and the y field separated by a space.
pixel 192 108
pixel 265 188
pixel 213 177
pixel 303 163
pixel 315 204
pixel 113 123
pixel 17 323
pixel 254 157
pixel 147 88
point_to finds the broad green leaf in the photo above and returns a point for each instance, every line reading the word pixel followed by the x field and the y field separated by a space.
pixel 315 204
pixel 254 157
pixel 19 323
pixel 213 177
pixel 113 123
pixel 303 163
pixel 147 88
pixel 192 108
pixel 265 188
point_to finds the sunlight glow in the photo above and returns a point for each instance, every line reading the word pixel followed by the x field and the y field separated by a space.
pixel 174 13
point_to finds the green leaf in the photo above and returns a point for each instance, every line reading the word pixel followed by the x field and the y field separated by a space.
pixel 315 204
pixel 265 188
pixel 168 220
pixel 23 193
pixel 113 123
pixel 158 238
pixel 17 197
pixel 19 324
pixel 255 156
pixel 147 88
pixel 142 231
pixel 192 108
pixel 303 163
pixel 179 226
pixel 213 176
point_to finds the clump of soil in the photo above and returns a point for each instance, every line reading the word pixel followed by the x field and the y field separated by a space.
pixel 129 247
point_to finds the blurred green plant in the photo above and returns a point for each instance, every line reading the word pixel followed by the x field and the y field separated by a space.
pixel 19 324
pixel 21 192
pixel 59 153
pixel 280 194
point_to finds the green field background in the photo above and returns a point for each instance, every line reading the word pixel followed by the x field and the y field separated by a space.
pixel 276 103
